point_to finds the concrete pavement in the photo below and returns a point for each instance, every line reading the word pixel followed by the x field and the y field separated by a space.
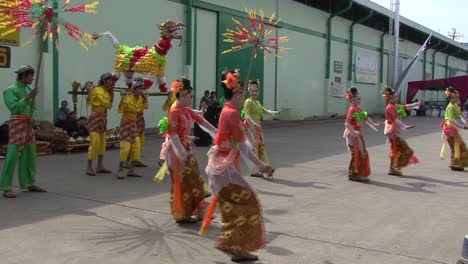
pixel 313 214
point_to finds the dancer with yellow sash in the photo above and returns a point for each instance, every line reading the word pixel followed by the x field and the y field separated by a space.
pixel 450 134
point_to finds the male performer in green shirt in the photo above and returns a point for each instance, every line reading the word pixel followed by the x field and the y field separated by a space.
pixel 19 99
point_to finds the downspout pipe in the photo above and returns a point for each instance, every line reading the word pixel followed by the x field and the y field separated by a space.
pixel 276 62
pixel 351 43
pixel 433 57
pixel 188 30
pixel 55 69
pixel 346 9
pixel 328 58
pixel 447 61
pixel 424 65
pixel 382 55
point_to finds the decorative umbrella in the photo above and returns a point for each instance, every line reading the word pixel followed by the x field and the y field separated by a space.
pixel 43 17
pixel 255 36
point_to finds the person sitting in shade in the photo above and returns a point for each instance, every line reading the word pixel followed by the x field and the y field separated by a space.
pixel 63 114
pixel 76 127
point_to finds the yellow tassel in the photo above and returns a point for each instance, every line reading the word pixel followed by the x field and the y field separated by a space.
pixel 159 177
pixel 91 7
pixel 442 151
pixel 34 25
pixel 202 231
pixel 457 148
pixel 271 18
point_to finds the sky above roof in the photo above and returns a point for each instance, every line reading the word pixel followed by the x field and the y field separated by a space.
pixel 440 16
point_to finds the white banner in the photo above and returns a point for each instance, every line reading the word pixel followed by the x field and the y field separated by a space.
pixel 367 69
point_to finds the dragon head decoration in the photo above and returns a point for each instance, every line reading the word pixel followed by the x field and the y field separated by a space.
pixel 169 31
pixel 144 60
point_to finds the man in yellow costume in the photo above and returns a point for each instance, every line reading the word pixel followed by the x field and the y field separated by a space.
pixel 140 123
pixel 131 105
pixel 100 98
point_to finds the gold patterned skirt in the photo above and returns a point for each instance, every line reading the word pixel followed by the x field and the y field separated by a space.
pixel 20 132
pixel 462 161
pixel 128 130
pixel 140 123
pixel 97 122
pixel 359 166
pixel 401 155
pixel 242 227
pixel 191 188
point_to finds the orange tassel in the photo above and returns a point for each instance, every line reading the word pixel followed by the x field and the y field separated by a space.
pixel 208 215
pixel 177 196
pixel 357 153
pixel 394 141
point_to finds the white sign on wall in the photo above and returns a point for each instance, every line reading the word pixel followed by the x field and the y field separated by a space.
pixel 338 88
pixel 367 68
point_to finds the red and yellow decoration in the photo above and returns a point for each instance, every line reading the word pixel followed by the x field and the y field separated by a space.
pixel 147 60
pixel 256 37
pixel 41 14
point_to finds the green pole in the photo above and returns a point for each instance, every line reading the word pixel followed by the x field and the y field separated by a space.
pixel 329 31
pixel 424 64
pixel 188 28
pixel 351 43
pixel 195 40
pixel 55 69
pixel 276 63
pixel 447 61
pixel 381 55
pixel 433 57
pixel 446 65
pixel 328 58
pixel 188 44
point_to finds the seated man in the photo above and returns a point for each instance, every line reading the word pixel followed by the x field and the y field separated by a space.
pixel 76 127
pixel 62 114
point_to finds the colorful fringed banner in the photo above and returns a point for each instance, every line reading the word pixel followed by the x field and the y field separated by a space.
pixel 43 14
pixel 255 35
